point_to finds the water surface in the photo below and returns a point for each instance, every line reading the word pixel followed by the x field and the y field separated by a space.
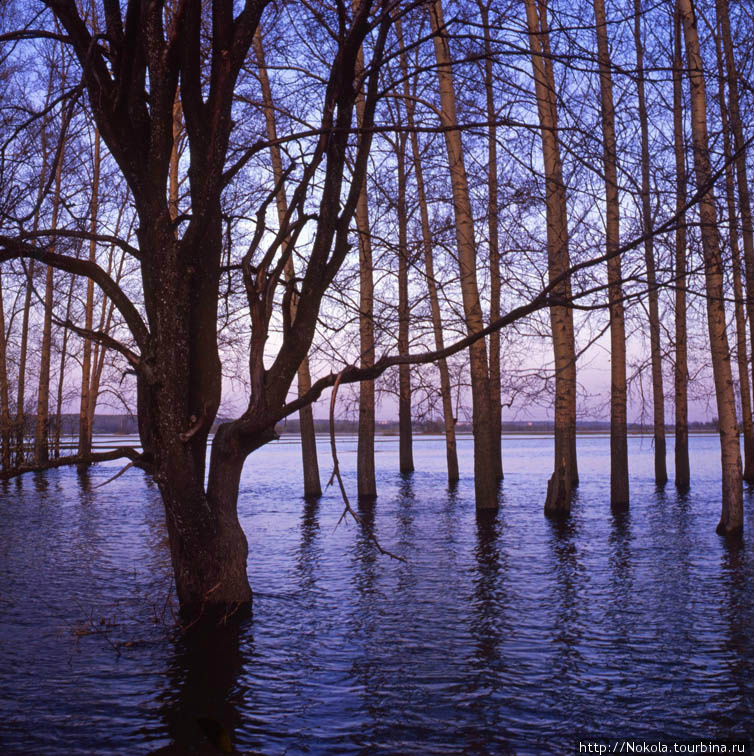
pixel 508 634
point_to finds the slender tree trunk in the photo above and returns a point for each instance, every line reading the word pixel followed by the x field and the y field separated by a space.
pixel 434 300
pixel 61 373
pixel 42 429
pixel 619 496
pixel 366 483
pixel 565 474
pixel 681 373
pixel 20 424
pixel 735 253
pixel 485 468
pixel 85 432
pixel 731 521
pixel 23 355
pixel 494 242
pixel 105 323
pixel 41 433
pixel 658 394
pixel 5 422
pixel 741 151
pixel 406 455
pixel 312 486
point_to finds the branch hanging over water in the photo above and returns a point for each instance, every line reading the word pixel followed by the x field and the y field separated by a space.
pixel 336 474
pixel 137 459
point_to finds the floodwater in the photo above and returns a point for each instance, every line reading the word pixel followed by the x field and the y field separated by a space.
pixel 502 635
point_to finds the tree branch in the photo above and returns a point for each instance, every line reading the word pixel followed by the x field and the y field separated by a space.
pixel 137 459
pixel 14 248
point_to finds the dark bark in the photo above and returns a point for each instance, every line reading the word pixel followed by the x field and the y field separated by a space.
pixel 178 367
pixel 405 441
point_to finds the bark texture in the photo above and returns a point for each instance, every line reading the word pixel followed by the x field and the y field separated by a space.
pixel 731 519
pixel 565 472
pixel 485 468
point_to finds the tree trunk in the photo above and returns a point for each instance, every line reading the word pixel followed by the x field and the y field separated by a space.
pixel 366 483
pixel 485 468
pixel 20 423
pixel 731 521
pixel 681 373
pixel 42 428
pixel 85 431
pixel 565 472
pixel 312 486
pixel 61 374
pixel 405 452
pixel 5 423
pixel 735 253
pixel 449 422
pixel 658 394
pixel 619 496
pixel 741 149
pixel 494 242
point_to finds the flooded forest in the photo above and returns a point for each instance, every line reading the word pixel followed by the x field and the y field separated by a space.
pixel 224 217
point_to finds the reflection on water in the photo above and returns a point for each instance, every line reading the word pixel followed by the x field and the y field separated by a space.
pixel 500 633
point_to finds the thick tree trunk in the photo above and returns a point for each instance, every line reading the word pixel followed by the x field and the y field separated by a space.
pixel 731 521
pixel 494 243
pixel 449 421
pixel 405 452
pixel 619 496
pixel 485 468
pixel 177 403
pixel 565 472
pixel 85 431
pixel 312 486
pixel 658 394
pixel 735 253
pixel 681 373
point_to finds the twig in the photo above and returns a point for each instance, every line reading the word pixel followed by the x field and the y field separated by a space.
pixel 117 475
pixel 336 474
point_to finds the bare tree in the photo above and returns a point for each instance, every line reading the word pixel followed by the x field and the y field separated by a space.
pixel 565 474
pixel 731 520
pixel 485 468
pixel 655 347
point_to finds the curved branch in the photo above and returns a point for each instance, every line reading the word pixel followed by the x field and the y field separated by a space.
pixel 102 338
pixel 15 248
pixel 87 235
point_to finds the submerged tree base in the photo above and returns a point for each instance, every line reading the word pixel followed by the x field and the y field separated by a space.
pixel 729 530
